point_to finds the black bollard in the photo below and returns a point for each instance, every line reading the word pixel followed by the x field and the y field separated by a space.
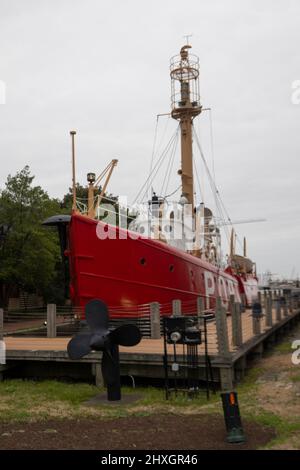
pixel 235 433
pixel 257 310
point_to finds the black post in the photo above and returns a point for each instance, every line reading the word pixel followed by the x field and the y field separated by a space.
pixel 235 433
pixel 114 382
pixel 166 359
pixel 206 358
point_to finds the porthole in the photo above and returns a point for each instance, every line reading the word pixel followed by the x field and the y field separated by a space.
pixel 143 261
pixel 168 228
pixel 171 268
pixel 142 229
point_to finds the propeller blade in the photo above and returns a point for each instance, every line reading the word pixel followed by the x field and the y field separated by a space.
pixel 79 345
pixel 96 314
pixel 126 335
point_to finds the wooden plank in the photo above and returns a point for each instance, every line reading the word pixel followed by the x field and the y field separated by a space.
pixel 155 320
pixel 51 320
pixel 1 322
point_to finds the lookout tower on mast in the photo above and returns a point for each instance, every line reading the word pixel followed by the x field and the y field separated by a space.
pixel 185 102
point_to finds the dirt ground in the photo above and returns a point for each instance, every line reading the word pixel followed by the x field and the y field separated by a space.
pixel 279 386
pixel 147 432
pixel 278 390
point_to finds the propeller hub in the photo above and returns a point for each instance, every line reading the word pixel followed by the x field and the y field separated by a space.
pixel 99 341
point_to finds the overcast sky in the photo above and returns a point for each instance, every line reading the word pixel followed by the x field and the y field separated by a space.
pixel 102 68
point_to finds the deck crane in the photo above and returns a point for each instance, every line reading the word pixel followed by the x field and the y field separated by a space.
pixel 94 185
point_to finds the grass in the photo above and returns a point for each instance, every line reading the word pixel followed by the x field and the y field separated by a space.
pixel 28 400
pixel 284 348
pixel 47 390
pixel 284 428
pixel 287 428
pixel 249 382
pixel 25 400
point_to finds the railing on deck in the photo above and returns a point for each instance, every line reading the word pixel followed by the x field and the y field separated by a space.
pixel 227 330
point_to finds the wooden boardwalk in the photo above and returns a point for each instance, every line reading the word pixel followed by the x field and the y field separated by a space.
pixel 228 360
pixel 146 359
pixel 146 346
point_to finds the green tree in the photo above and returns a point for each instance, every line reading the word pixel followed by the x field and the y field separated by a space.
pixel 29 254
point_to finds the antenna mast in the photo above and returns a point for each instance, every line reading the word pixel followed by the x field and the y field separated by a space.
pixel 184 71
pixel 73 133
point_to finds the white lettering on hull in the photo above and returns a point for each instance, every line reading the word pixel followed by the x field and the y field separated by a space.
pixel 209 287
pixel 226 288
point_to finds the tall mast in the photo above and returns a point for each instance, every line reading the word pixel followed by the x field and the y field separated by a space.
pixel 184 70
pixel 73 133
pixel 245 247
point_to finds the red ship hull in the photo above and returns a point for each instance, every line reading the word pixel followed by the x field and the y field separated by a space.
pixel 127 271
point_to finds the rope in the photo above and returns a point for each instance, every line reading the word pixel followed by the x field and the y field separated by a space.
pixel 155 169
pixel 198 181
pixel 159 145
pixel 212 144
pixel 218 201
pixel 153 148
pixel 175 191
